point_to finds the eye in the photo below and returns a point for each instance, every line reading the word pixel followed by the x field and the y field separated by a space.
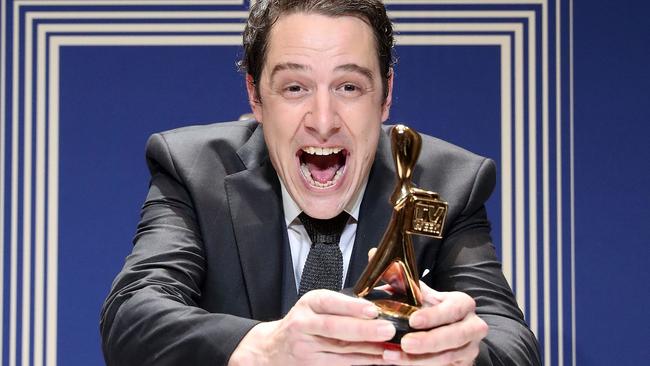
pixel 294 88
pixel 349 90
pixel 293 91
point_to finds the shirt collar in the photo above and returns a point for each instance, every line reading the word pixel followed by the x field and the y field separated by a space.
pixel 291 209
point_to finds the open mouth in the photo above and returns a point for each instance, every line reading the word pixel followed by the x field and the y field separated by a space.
pixel 322 167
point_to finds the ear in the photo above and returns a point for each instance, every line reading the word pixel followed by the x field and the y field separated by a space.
pixel 385 113
pixel 253 98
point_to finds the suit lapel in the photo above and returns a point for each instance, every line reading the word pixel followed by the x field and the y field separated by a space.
pixel 255 203
pixel 375 210
pixel 258 223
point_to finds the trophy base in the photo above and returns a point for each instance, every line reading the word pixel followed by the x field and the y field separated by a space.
pixel 392 309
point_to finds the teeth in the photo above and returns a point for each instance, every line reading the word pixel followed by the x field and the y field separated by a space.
pixel 322 150
pixel 307 174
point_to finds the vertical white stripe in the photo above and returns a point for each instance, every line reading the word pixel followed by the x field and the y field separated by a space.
pixel 509 231
pixel 571 172
pixel 545 189
pixel 532 174
pixel 27 202
pixel 13 285
pixel 39 227
pixel 53 208
pixel 520 233
pixel 3 146
pixel 506 162
pixel 558 172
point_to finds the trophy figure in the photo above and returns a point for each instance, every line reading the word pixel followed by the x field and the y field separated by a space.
pixel 391 278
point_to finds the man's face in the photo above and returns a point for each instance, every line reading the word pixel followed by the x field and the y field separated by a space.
pixel 321 107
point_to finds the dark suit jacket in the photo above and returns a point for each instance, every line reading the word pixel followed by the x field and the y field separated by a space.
pixel 211 255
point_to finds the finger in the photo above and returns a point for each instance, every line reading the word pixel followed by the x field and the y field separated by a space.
pixel 330 302
pixel 371 253
pixel 452 336
pixel 454 307
pixel 346 347
pixel 429 295
pixel 386 287
pixel 462 355
pixel 346 328
pixel 330 359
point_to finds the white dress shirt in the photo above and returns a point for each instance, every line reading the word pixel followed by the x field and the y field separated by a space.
pixel 299 239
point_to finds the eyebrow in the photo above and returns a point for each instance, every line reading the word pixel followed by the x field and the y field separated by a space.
pixel 356 68
pixel 351 67
pixel 288 66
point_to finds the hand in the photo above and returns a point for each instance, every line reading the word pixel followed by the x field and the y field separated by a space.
pixel 454 335
pixel 323 328
pixel 455 329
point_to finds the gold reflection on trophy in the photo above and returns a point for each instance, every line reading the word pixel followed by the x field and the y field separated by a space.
pixel 391 278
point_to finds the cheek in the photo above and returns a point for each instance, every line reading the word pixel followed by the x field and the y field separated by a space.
pixel 371 140
pixel 364 153
pixel 281 143
pixel 366 146
pixel 286 121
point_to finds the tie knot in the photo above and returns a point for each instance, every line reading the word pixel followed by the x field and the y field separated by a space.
pixel 326 231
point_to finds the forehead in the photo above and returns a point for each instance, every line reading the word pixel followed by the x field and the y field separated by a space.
pixel 301 37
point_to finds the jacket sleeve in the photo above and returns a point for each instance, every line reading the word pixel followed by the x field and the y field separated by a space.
pixel 151 315
pixel 467 262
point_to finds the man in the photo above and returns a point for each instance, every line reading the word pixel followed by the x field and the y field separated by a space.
pixel 222 252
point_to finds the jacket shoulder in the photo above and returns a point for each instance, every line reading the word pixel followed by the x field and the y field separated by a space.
pixel 437 153
pixel 460 176
pixel 437 150
pixel 211 146
pixel 229 133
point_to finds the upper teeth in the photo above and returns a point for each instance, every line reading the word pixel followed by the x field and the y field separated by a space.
pixel 322 150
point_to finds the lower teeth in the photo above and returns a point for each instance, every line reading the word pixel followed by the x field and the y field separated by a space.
pixel 329 183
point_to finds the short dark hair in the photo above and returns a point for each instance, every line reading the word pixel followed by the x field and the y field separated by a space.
pixel 264 14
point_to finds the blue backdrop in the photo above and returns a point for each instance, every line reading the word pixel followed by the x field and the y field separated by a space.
pixel 84 85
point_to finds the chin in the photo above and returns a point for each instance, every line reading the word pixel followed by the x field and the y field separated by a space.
pixel 323 210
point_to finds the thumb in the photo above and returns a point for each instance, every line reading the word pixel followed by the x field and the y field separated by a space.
pixel 371 253
pixel 431 296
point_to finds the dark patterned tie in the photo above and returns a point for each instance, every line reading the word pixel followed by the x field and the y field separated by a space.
pixel 324 266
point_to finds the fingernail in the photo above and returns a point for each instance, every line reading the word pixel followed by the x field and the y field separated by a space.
pixel 390 355
pixel 416 321
pixel 386 331
pixel 408 343
pixel 370 311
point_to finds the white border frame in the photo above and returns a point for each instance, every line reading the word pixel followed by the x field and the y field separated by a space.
pixel 52 188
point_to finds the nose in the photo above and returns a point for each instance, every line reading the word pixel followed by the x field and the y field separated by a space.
pixel 322 120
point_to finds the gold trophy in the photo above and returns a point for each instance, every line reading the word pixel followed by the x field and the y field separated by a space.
pixel 391 280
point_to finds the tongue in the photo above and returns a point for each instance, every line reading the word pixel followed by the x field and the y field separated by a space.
pixel 322 167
